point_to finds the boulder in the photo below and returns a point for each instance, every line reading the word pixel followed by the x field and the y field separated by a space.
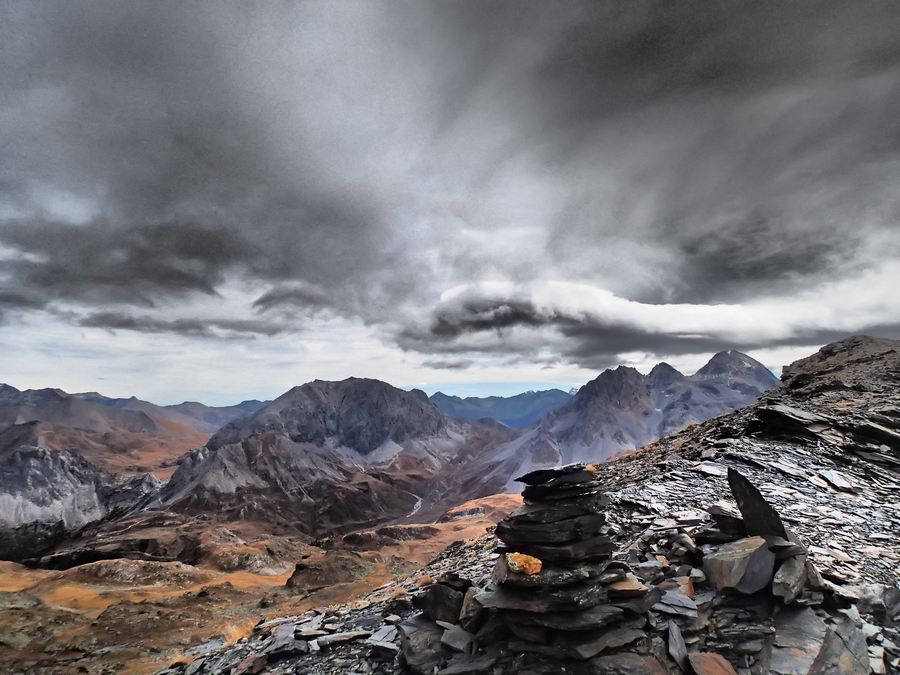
pixel 746 565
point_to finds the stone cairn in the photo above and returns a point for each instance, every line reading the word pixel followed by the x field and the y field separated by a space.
pixel 554 582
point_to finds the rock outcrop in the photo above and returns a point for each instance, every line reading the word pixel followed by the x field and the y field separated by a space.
pixel 46 495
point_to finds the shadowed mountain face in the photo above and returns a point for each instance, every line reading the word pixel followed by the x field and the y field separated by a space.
pixel 520 411
pixel 622 410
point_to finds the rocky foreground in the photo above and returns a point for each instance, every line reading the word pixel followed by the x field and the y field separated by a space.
pixel 761 541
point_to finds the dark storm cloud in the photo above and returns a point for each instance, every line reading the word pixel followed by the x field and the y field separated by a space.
pixel 448 364
pixel 100 263
pixel 307 298
pixel 359 159
pixel 191 327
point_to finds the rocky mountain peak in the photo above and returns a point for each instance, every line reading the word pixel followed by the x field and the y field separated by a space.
pixel 662 375
pixel 357 413
pixel 859 362
pixel 733 361
pixel 616 387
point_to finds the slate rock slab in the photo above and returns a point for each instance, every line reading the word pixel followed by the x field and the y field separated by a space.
pixel 707 663
pixel 584 550
pixel 759 516
pixel 567 598
pixel 746 565
pixel 589 619
pixel 514 532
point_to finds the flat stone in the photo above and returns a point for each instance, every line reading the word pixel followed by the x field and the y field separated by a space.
pixel 588 619
pixel 629 587
pixel 799 634
pixel 585 550
pixel 387 647
pixel 579 648
pixel 745 565
pixel 514 532
pixel 838 480
pixel 346 636
pixel 627 663
pixel 707 663
pixel 548 576
pixel 556 511
pixel 641 605
pixel 677 648
pixel 574 472
pixel 282 643
pixel 677 603
pixel 463 664
pixel 712 469
pixel 843 652
pixel 458 639
pixel 542 493
pixel 566 598
pixel 609 639
pixel 384 634
pixel 790 579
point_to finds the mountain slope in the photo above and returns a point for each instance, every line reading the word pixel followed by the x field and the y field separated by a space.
pixel 48 494
pixel 622 410
pixel 122 435
pixel 325 456
pixel 521 410
pixel 125 436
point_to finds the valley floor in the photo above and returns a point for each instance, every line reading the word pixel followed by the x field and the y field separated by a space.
pixel 134 616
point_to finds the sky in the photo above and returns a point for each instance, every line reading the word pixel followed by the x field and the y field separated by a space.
pixel 220 200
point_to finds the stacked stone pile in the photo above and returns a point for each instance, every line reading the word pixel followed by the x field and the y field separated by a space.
pixel 555 586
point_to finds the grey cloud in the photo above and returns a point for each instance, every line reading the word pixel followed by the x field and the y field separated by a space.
pixel 308 298
pixel 448 364
pixel 101 263
pixel 591 341
pixel 187 327
pixel 359 159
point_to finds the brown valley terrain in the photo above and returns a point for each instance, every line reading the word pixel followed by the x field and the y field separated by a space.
pixel 138 536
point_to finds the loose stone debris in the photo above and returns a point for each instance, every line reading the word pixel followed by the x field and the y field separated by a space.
pixel 726 590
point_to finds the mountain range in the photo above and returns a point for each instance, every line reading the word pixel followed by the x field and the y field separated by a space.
pixel 519 411
pixel 120 435
pixel 331 457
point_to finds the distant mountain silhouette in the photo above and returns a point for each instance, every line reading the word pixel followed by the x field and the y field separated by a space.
pixel 521 410
pixel 123 435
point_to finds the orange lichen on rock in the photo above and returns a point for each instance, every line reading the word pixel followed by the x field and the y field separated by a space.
pixel 523 564
pixel 592 468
